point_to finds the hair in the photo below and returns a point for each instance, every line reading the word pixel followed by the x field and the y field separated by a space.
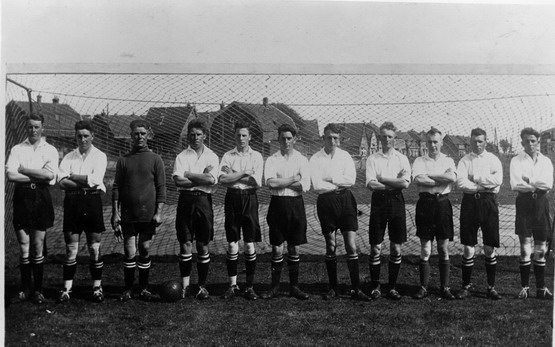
pixel 197 124
pixel 139 123
pixel 433 131
pixel 240 124
pixel 84 124
pixel 334 128
pixel 388 126
pixel 529 131
pixel 35 116
pixel 478 132
pixel 287 128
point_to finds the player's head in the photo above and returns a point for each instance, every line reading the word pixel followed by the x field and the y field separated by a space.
pixel 242 134
pixel 84 135
pixel 287 136
pixel 332 137
pixel 196 133
pixel 140 130
pixel 530 140
pixel 478 142
pixel 387 136
pixel 434 142
pixel 34 125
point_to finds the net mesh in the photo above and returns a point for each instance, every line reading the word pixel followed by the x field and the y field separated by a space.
pixel 500 104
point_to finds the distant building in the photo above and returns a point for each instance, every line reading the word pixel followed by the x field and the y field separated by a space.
pixel 360 139
pixel 456 146
pixel 169 128
pixel 419 139
pixel 547 143
pixel 411 146
pixel 265 118
pixel 59 123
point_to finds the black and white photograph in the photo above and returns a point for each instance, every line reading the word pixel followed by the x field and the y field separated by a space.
pixel 278 172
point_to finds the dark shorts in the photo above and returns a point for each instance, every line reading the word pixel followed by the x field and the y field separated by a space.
pixel 434 217
pixel 287 220
pixel 532 216
pixel 337 210
pixel 138 228
pixel 479 210
pixel 387 209
pixel 195 217
pixel 83 213
pixel 241 212
pixel 32 207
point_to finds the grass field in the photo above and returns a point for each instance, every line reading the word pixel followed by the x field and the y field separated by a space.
pixel 282 321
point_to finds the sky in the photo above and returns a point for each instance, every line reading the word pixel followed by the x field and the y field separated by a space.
pixel 276 32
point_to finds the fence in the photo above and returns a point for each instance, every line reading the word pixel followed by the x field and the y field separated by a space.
pixel 500 104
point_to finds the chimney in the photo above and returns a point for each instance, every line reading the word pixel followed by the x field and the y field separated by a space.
pixel 265 101
pixel 56 100
pixel 39 98
pixel 222 106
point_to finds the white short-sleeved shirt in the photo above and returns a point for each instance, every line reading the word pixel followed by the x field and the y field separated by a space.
pixel 188 160
pixel 387 166
pixel 44 156
pixel 539 173
pixel 340 169
pixel 278 166
pixel 486 169
pixel 92 165
pixel 425 165
pixel 239 161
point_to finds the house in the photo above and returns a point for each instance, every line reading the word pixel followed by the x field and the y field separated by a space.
pixel 119 142
pixel 59 123
pixel 309 137
pixel 547 143
pixel 208 119
pixel 266 119
pixel 420 139
pixel 410 145
pixel 169 127
pixel 360 139
pixel 456 146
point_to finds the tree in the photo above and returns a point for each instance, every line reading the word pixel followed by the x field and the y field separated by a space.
pixel 505 145
pixel 492 148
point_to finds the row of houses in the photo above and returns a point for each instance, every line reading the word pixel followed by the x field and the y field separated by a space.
pixel 170 125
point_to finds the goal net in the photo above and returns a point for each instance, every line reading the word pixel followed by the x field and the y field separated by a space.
pixel 454 103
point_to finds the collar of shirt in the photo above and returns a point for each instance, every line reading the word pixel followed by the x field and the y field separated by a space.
pixel 206 150
pixel 82 155
pixel 439 157
pixel 236 151
pixel 42 142
pixel 140 150
pixel 482 155
pixel 394 153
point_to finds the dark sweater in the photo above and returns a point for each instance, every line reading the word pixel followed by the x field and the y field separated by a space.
pixel 139 184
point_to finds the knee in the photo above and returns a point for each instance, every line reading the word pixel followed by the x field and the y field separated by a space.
pixel 233 248
pixel 539 253
pixel 94 250
pixel 395 249
pixel 375 250
pixel 71 250
pixel 144 249
pixel 489 251
pixel 425 254
pixel 202 248
pixel 468 252
pixel 249 248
